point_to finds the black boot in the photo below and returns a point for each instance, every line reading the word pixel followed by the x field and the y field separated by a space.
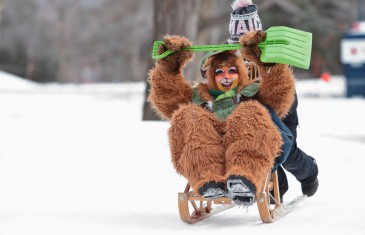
pixel 212 190
pixel 241 190
pixel 310 186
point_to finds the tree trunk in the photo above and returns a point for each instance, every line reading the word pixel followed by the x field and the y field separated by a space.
pixel 64 55
pixel 172 17
pixel 1 8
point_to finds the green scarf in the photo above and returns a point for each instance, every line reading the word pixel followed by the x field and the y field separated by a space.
pixel 218 95
pixel 224 102
pixel 249 91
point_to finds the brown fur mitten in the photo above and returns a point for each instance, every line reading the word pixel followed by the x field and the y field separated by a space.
pixel 249 45
pixel 175 61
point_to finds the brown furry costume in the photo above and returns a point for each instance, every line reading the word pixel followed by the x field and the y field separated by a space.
pixel 205 148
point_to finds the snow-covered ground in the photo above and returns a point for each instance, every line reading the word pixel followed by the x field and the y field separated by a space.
pixel 77 159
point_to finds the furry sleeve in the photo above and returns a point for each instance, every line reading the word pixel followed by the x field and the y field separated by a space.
pixel 277 81
pixel 277 88
pixel 169 89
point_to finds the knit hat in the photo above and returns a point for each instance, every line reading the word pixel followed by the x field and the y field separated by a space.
pixel 244 18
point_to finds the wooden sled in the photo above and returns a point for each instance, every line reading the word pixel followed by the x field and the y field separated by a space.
pixel 203 208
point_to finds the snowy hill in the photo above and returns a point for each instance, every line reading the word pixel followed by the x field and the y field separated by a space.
pixel 11 82
pixel 76 159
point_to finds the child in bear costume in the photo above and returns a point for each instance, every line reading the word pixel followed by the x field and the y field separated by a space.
pixel 222 137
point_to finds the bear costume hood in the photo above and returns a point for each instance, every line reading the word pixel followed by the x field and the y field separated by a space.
pixel 213 60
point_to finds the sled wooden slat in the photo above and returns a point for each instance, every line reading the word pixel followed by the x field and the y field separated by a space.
pixel 275 182
pixel 196 197
pixel 267 211
pixel 202 208
pixel 205 209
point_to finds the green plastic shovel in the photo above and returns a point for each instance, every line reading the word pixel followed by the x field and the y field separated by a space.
pixel 219 47
pixel 286 45
pixel 282 45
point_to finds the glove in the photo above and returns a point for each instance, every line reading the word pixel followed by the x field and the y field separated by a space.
pixel 249 46
pixel 177 59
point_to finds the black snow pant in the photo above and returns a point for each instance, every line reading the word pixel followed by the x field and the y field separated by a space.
pixel 298 163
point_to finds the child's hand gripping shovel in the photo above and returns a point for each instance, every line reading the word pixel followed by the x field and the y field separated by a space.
pixel 282 45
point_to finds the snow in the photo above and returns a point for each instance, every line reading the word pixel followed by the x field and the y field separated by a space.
pixel 77 159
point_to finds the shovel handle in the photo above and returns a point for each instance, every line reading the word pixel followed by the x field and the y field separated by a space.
pixel 218 47
pixel 265 43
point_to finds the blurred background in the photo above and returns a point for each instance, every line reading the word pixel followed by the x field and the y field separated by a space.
pixel 77 157
pixel 110 41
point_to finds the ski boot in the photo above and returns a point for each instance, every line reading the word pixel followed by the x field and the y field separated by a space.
pixel 212 190
pixel 241 190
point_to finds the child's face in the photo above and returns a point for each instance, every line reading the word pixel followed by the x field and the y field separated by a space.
pixel 226 78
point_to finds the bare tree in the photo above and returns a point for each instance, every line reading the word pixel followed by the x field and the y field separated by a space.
pixel 64 8
pixel 172 17
pixel 1 8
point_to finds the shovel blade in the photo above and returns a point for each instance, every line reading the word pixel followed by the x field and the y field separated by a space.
pixel 286 45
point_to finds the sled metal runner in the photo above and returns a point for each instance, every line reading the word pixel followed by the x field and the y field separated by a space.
pixel 194 208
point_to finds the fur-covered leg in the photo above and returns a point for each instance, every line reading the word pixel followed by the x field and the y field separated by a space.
pixel 196 146
pixel 252 142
